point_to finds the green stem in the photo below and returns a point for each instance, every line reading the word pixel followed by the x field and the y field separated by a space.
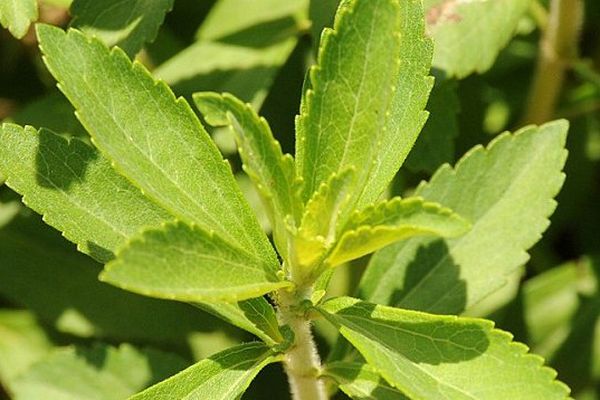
pixel 302 363
pixel 558 48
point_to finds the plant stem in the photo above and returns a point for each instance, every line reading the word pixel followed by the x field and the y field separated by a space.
pixel 558 48
pixel 302 363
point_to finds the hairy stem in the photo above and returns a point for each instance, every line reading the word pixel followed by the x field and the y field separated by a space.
pixel 302 363
pixel 558 48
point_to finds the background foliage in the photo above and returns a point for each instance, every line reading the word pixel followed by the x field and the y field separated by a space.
pixel 56 318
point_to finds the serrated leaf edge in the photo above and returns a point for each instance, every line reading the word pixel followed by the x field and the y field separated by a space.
pixel 252 291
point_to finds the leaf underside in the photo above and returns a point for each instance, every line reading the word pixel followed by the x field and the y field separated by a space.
pixel 361 382
pixel 256 316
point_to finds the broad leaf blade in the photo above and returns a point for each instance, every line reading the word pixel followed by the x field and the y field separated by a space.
pixel 361 382
pixel 17 15
pixel 398 219
pixel 75 189
pixel 506 191
pixel 256 316
pixel 407 113
pixel 99 373
pixel 468 35
pixel 183 262
pixel 243 45
pixel 364 105
pixel 128 24
pixel 152 138
pixel 224 376
pixel 272 172
pixel 432 356
pixel 350 91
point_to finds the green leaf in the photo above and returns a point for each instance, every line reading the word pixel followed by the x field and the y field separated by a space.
pixel 551 301
pixel 272 172
pixel 245 71
pixel 128 24
pixel 364 105
pixel 224 376
pixel 99 373
pixel 41 271
pixel 468 35
pixel 243 45
pixel 390 221
pixel 186 263
pixel 506 192
pixel 231 20
pixel 435 144
pixel 361 381
pixel 152 138
pixel 430 356
pixel 17 15
pixel 22 342
pixel 320 221
pixel 256 316
pixel 75 189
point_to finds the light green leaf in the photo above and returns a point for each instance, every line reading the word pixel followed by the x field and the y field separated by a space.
pixel 224 376
pixel 256 316
pixel 320 221
pixel 390 221
pixel 22 342
pixel 364 105
pixel 99 373
pixel 430 356
pixel 245 71
pixel 17 15
pixel 407 115
pixel 231 20
pixel 75 189
pixel 506 191
pixel 361 381
pixel 272 172
pixel 153 138
pixel 183 262
pixel 243 44
pixel 468 35
pixel 128 24
pixel 41 271
pixel 551 301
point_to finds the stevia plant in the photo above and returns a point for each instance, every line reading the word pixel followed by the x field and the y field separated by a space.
pixel 153 200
